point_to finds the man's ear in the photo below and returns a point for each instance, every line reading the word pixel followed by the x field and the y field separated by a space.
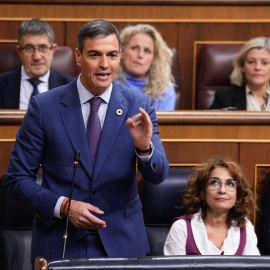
pixel 54 46
pixel 18 50
pixel 78 57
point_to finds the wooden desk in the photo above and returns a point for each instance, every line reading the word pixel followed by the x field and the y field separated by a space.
pixel 190 137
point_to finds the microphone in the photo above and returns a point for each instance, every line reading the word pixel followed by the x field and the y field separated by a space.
pixel 76 162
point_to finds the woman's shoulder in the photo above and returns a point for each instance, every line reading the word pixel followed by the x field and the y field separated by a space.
pixel 230 89
pixel 249 225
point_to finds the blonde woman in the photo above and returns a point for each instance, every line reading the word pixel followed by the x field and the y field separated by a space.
pixel 146 65
pixel 250 79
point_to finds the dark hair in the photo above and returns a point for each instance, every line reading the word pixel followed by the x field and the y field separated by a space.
pixel 194 197
pixel 35 27
pixel 96 28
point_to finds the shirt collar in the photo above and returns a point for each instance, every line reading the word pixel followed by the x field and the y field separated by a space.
pixel 248 91
pixel 44 78
pixel 85 95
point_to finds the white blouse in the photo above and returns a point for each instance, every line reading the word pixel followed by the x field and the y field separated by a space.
pixel 176 240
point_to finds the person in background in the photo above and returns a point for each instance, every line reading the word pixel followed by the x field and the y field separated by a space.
pixel 218 204
pixel 35 48
pixel 145 65
pixel 250 79
pixel 115 131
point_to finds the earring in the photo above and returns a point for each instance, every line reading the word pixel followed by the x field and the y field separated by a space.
pixel 203 203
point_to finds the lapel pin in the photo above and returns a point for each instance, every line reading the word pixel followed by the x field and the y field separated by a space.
pixel 119 112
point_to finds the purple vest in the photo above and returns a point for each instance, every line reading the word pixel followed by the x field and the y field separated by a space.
pixel 191 248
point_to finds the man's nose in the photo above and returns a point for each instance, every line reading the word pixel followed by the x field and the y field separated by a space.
pixel 103 62
pixel 36 54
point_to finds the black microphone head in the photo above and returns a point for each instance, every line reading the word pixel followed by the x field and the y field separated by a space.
pixel 77 156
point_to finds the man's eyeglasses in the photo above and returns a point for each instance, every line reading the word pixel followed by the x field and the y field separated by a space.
pixel 42 49
pixel 215 183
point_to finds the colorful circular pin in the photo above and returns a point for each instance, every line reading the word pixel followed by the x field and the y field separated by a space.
pixel 119 112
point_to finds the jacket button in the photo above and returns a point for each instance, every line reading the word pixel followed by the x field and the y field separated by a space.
pixel 94 192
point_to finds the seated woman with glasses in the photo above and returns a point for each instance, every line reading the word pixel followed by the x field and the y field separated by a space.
pixel 218 204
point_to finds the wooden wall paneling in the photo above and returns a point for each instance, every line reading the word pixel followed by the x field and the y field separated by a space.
pixel 189 33
pixel 189 10
pixel 169 31
pixel 197 152
pixel 180 34
pixel 59 32
pixel 9 29
pixel 255 161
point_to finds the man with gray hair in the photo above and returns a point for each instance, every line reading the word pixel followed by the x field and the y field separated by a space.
pixel 35 48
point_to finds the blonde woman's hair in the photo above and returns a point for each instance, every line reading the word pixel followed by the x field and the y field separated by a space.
pixel 237 76
pixel 159 74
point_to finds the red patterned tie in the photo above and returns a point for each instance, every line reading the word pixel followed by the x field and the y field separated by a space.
pixel 93 128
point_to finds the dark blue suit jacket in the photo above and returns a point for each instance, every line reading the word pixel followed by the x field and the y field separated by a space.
pixel 10 86
pixel 51 132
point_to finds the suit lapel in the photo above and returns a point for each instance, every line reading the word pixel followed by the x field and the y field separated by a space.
pixel 240 98
pixel 53 80
pixel 74 126
pixel 112 124
pixel 12 90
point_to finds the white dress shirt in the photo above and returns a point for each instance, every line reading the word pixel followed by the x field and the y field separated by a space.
pixel 252 102
pixel 176 240
pixel 26 89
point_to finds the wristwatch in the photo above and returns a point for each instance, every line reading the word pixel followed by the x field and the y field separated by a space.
pixel 147 151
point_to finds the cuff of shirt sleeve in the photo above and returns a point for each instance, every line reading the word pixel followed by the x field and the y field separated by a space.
pixel 145 159
pixel 56 212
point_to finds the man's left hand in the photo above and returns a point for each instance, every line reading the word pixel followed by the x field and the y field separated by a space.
pixel 141 129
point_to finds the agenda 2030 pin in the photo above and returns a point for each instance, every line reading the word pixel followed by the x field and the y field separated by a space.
pixel 119 112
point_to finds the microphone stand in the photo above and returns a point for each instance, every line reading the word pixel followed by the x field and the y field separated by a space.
pixel 76 161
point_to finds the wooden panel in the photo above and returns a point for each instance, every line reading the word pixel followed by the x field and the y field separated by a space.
pixel 185 153
pixel 9 30
pixel 218 32
pixel 181 23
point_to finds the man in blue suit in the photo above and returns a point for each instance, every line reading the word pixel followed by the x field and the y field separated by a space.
pixel 35 48
pixel 105 211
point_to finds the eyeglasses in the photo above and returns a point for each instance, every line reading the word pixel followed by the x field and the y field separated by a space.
pixel 42 49
pixel 215 183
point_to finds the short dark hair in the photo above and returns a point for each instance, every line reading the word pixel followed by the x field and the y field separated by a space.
pixel 35 27
pixel 96 28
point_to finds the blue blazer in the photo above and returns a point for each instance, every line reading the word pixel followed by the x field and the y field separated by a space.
pixel 10 86
pixel 51 132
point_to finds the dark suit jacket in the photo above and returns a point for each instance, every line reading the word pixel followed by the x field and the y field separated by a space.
pixel 51 132
pixel 10 86
pixel 233 96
